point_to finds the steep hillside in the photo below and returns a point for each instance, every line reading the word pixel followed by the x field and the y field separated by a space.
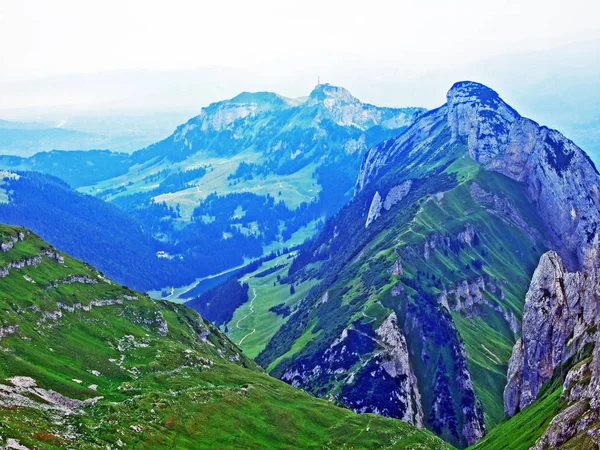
pixel 253 174
pixel 421 280
pixel 87 363
pixel 552 393
pixel 108 237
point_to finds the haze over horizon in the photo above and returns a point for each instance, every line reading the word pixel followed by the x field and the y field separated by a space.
pixel 68 59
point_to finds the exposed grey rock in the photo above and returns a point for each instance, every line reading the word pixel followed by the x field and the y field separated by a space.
pixel 435 241
pixel 6 331
pixel 397 364
pixel 54 255
pixel 466 295
pixel 396 194
pixel 552 306
pixel 162 326
pixel 397 290
pixel 468 236
pixel 561 182
pixel 415 141
pixel 560 321
pixel 9 244
pixel 24 392
pixel 477 113
pixel 78 279
pixel 396 268
pixel 374 210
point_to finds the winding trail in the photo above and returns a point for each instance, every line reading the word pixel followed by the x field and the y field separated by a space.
pixel 237 325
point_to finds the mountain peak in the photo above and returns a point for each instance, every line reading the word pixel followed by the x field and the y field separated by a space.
pixel 259 98
pixel 326 91
pixel 473 91
pixel 477 114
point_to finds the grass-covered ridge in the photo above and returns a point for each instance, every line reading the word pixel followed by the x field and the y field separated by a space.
pixel 467 241
pixel 87 363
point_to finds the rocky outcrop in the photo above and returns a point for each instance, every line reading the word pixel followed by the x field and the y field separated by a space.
pixel 396 194
pixel 476 113
pixel 52 254
pixel 396 364
pixel 373 368
pixel 374 209
pixel 469 236
pixel 346 110
pixel 466 296
pixel 417 140
pixel 560 325
pixel 24 392
pixel 10 242
pixel 561 182
pixel 8 330
pixel 443 416
pixel 435 241
pixel 502 208
pixel 33 261
pixel 555 303
pixel 396 268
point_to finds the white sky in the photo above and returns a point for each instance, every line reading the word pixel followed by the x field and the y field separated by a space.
pixel 39 38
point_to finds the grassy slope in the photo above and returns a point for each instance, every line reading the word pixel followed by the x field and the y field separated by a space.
pixel 487 337
pixel 295 188
pixel 253 322
pixel 187 389
pixel 521 431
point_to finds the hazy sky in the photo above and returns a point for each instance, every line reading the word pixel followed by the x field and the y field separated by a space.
pixel 40 37
pixel 61 60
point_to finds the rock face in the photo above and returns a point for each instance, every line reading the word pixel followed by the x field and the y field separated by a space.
pixel 376 368
pixel 397 365
pixel 374 210
pixel 477 113
pixel 560 325
pixel 346 110
pixel 446 223
pixel 394 195
pixel 561 180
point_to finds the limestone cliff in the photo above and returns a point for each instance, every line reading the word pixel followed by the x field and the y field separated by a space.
pixel 560 338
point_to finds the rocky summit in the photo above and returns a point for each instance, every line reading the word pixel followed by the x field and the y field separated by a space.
pixel 436 253
pixel 454 295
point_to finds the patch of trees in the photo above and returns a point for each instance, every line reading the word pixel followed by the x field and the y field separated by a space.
pixel 219 303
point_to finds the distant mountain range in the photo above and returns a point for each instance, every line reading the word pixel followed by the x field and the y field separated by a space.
pixel 449 279
pixel 254 174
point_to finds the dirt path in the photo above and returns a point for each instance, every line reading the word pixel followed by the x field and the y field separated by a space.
pixel 237 325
